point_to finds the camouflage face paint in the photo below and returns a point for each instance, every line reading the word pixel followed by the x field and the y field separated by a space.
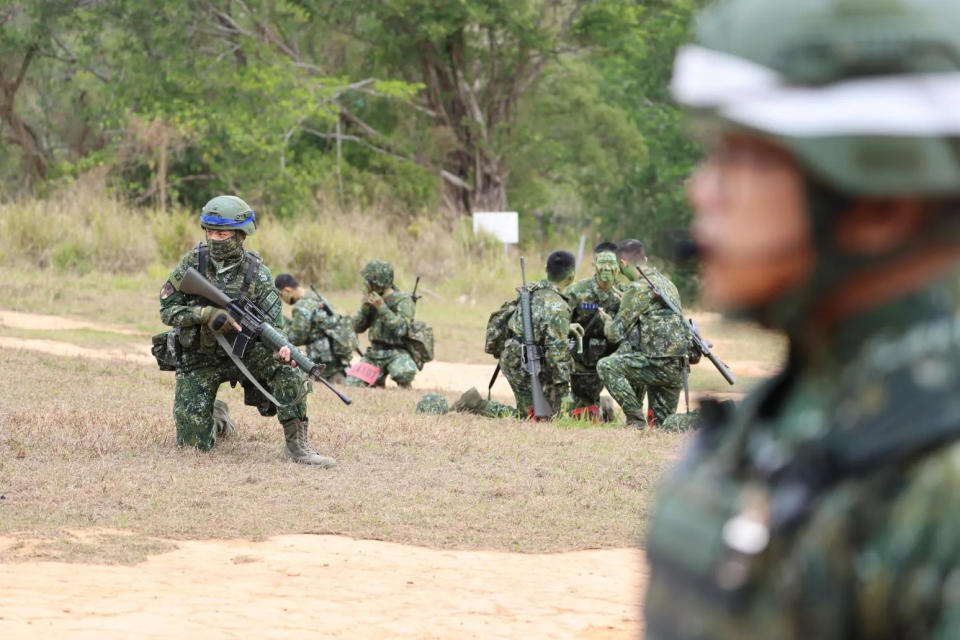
pixel 607 266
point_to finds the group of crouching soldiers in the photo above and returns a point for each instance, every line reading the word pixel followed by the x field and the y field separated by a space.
pixel 606 331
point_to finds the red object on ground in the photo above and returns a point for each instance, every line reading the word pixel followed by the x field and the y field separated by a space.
pixel 591 413
pixel 364 371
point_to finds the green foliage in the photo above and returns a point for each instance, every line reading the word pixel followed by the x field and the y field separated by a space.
pixel 557 109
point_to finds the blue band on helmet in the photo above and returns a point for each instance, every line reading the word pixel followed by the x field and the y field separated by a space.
pixel 228 222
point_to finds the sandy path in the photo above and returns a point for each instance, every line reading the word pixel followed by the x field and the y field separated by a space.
pixel 302 586
pixel 316 586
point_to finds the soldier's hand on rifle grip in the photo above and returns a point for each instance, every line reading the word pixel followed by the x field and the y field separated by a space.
pixel 218 320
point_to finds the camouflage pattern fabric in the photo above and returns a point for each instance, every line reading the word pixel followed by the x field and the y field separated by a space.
pixel 472 402
pixel 379 273
pixel 387 328
pixel 313 324
pixel 206 366
pixel 872 550
pixel 628 374
pixel 551 324
pixel 681 422
pixel 433 403
pixel 653 342
pixel 585 298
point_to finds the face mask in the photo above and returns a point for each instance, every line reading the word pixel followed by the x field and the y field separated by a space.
pixel 228 250
pixel 607 266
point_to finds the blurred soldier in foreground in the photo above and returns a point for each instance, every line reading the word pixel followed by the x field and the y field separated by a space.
pixel 388 314
pixel 587 298
pixel 202 364
pixel 654 345
pixel 550 315
pixel 329 337
pixel 825 506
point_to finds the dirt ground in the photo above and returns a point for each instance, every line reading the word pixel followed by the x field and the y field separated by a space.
pixel 302 586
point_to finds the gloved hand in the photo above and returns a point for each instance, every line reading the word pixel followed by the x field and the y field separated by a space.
pixel 373 299
pixel 218 320
pixel 576 329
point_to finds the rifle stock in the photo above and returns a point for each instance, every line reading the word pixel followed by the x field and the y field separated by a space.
pixel 531 351
pixel 254 324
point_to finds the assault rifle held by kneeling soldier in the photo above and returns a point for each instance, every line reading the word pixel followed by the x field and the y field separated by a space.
pixel 699 342
pixel 253 324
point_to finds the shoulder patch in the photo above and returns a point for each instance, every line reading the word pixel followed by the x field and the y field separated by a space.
pixel 166 290
pixel 176 278
pixel 270 300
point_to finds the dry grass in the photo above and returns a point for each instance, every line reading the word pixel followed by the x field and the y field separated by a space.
pixel 97 450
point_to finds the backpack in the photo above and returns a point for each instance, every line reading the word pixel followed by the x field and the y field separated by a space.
pixel 343 339
pixel 498 328
pixel 419 342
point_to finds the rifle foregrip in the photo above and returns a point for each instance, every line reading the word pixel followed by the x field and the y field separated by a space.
pixel 276 341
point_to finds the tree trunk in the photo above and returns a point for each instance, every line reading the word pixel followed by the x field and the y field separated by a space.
pixel 21 134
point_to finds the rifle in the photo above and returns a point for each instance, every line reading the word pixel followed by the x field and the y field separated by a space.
pixel 326 305
pixel 414 294
pixel 531 351
pixel 702 345
pixel 254 324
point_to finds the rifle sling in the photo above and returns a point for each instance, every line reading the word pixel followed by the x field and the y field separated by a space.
pixel 246 372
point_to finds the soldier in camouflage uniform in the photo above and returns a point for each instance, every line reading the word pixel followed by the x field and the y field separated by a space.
pixel 828 206
pixel 551 326
pixel 388 314
pixel 586 299
pixel 653 345
pixel 328 336
pixel 204 365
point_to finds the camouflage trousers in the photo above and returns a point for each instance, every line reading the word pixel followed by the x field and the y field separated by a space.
pixel 201 376
pixel 512 368
pixel 396 363
pixel 627 375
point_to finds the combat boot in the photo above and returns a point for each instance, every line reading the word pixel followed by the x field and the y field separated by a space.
pixel 222 421
pixel 608 410
pixel 298 448
pixel 636 419
pixel 471 402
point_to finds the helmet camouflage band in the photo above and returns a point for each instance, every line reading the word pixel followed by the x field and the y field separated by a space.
pixel 861 92
pixel 228 213
pixel 379 273
pixel 433 403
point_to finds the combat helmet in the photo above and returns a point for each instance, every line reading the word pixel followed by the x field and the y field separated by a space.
pixel 863 93
pixel 433 403
pixel 378 273
pixel 228 213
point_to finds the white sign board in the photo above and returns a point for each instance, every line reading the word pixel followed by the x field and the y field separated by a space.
pixel 502 225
